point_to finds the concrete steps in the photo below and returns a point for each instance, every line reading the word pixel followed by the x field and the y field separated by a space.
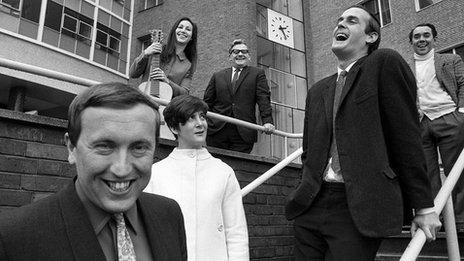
pixel 393 247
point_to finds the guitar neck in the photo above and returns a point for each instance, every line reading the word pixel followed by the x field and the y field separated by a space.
pixel 154 84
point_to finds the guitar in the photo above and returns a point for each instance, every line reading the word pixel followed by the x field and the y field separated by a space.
pixel 158 88
pixel 155 87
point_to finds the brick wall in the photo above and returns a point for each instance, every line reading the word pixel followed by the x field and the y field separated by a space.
pixel 33 165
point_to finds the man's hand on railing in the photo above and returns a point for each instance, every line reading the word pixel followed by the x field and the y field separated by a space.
pixel 268 128
pixel 429 223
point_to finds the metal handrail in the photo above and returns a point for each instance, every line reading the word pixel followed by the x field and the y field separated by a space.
pixel 418 241
pixel 238 122
pixel 45 72
pixel 86 82
pixel 271 172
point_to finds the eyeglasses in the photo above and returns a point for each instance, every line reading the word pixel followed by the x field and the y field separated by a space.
pixel 236 51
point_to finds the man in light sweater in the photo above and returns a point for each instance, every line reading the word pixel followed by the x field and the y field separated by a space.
pixel 440 91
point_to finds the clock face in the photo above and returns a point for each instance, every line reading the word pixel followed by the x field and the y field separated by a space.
pixel 280 28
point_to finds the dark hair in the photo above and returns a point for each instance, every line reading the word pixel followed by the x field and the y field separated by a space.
pixel 373 25
pixel 111 95
pixel 190 51
pixel 236 42
pixel 181 108
pixel 431 26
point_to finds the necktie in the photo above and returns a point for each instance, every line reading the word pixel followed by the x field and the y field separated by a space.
pixel 235 78
pixel 126 250
pixel 333 149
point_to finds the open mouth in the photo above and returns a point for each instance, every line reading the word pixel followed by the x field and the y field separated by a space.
pixel 119 186
pixel 341 37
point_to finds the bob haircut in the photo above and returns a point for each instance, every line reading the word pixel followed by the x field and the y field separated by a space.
pixel 181 108
pixel 110 95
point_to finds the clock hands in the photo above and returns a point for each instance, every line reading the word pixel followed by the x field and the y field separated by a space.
pixel 281 28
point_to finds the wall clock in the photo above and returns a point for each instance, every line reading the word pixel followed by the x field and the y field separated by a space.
pixel 280 28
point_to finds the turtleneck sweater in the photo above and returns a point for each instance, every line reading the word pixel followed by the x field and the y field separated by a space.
pixel 434 101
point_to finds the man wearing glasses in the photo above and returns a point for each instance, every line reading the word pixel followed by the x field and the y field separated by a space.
pixel 234 92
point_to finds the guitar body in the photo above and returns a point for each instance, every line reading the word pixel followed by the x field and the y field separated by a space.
pixel 164 90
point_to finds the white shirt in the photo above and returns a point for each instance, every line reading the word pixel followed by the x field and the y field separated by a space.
pixel 234 70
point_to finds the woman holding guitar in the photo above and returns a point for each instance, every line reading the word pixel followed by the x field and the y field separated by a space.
pixel 177 59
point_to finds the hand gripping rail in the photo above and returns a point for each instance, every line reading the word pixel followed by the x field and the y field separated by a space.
pixel 418 241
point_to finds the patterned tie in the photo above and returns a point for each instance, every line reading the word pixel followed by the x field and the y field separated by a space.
pixel 333 149
pixel 235 78
pixel 126 250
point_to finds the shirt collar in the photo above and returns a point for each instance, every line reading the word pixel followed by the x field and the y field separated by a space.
pixel 347 69
pixel 235 68
pixel 99 218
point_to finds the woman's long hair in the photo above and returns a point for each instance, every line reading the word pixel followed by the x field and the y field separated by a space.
pixel 190 51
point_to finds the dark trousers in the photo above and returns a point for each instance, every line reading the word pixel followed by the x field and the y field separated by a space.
pixel 326 230
pixel 447 134
pixel 228 138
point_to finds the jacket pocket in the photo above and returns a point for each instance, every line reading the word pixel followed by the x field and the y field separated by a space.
pixel 363 96
pixel 389 173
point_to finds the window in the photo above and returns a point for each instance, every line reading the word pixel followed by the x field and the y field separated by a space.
pixel 69 25
pixel 420 4
pixel 377 7
pixel 152 3
pixel 11 3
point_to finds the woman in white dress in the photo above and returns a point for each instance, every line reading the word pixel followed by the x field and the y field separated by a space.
pixel 205 187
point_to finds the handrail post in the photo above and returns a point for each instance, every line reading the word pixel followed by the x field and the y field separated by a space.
pixel 450 229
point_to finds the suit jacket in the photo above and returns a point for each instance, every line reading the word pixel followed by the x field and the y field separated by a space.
pixel 57 228
pixel 449 69
pixel 378 140
pixel 251 89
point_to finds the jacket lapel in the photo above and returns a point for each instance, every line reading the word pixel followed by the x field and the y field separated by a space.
pixel 242 76
pixel 439 62
pixel 153 229
pixel 328 93
pixel 351 76
pixel 82 238
pixel 227 75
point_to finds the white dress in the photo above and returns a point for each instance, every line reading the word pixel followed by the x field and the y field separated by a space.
pixel 210 198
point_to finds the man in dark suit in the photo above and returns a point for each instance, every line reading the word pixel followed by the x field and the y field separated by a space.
pixel 235 92
pixel 440 92
pixel 102 214
pixel 362 151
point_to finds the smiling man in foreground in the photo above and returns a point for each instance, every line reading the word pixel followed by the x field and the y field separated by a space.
pixel 362 154
pixel 102 214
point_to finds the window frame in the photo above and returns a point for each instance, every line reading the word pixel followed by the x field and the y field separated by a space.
pixel 418 8
pixel 146 4
pixel 379 6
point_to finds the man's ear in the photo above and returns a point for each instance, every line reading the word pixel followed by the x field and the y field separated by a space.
pixel 71 149
pixel 372 37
